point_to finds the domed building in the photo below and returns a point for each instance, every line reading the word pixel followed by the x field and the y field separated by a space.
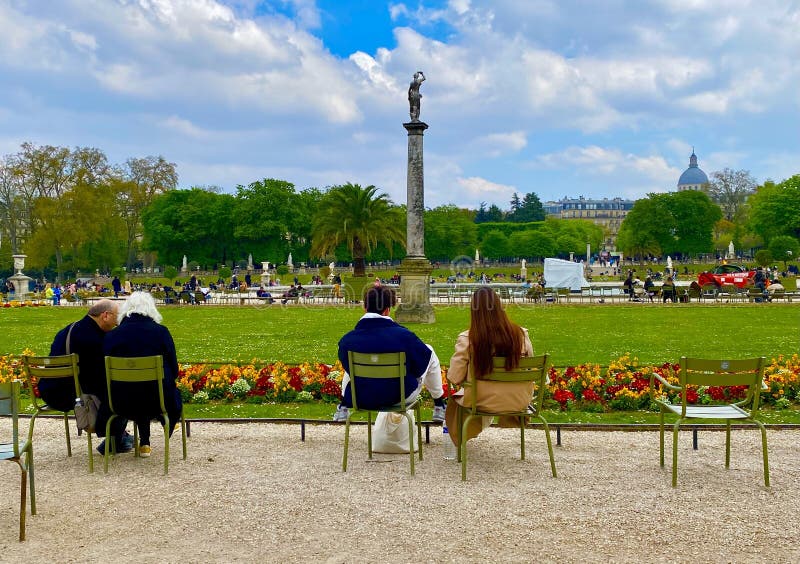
pixel 693 178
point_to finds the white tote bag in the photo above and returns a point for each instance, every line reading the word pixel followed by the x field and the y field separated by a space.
pixel 390 433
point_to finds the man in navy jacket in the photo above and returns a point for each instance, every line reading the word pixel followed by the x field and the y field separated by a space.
pixel 376 332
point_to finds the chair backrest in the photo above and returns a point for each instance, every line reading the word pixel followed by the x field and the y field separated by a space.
pixel 9 406
pixel 135 369
pixel 530 369
pixel 40 367
pixel 723 372
pixel 379 366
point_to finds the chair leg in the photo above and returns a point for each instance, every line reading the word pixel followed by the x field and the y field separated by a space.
pixel 183 434
pixel 31 478
pixel 91 458
pixel 166 444
pixel 66 432
pixel 728 443
pixel 549 447
pixel 522 438
pixel 369 433
pixel 661 437
pixel 463 449
pixel 107 448
pixel 764 451
pixel 346 443
pixel 22 485
pixel 675 431
pixel 410 441
pixel 419 430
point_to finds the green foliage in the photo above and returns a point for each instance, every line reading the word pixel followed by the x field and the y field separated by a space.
pixel 449 232
pixel 763 257
pixel 775 209
pixel 282 270
pixel 225 272
pixel 784 248
pixel 494 245
pixel 170 273
pixel 360 218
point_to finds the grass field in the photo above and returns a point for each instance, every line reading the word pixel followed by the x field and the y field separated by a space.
pixel 572 334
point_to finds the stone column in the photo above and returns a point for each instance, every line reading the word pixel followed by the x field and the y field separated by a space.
pixel 415 270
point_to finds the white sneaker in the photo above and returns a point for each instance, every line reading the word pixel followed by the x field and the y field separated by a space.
pixel 438 413
pixel 341 414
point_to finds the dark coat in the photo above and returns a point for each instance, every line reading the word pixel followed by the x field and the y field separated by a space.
pixel 136 336
pixel 86 340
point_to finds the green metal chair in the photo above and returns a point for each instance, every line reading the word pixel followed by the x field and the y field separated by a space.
pixel 63 366
pixel 141 369
pixel 384 366
pixel 703 372
pixel 17 448
pixel 530 369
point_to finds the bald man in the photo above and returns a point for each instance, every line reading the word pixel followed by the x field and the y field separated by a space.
pixel 86 338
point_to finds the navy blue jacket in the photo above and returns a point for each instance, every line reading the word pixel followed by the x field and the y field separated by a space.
pixel 377 335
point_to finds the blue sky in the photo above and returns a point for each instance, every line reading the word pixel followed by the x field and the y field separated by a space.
pixel 561 98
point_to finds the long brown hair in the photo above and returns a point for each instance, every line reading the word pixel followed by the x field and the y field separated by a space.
pixel 492 333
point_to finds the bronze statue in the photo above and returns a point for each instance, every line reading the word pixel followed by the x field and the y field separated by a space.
pixel 414 96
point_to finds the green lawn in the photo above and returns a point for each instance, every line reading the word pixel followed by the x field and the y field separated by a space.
pixel 572 334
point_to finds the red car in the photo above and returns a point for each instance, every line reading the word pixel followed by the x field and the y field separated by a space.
pixel 727 274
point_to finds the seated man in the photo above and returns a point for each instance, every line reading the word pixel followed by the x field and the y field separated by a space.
pixel 86 339
pixel 376 332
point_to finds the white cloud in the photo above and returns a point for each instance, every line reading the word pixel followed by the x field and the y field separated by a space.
pixel 480 189
pixel 496 144
pixel 602 161
pixel 184 127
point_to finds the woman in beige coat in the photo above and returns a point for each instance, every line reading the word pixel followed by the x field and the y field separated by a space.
pixel 491 333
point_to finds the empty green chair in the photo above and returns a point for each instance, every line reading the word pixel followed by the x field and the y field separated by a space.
pixel 697 372
pixel 530 369
pixel 140 369
pixel 19 450
pixel 63 366
pixel 383 366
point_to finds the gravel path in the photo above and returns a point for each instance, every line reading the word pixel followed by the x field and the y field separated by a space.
pixel 256 493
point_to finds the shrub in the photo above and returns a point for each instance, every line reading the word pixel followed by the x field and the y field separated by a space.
pixel 170 272
pixel 282 270
pixel 224 272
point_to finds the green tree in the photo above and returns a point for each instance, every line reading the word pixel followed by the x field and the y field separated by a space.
pixel 494 245
pixel 449 232
pixel 730 189
pixel 648 228
pixel 141 181
pixel 785 248
pixel 694 217
pixel 775 209
pixel 532 243
pixel 359 218
pixel 196 223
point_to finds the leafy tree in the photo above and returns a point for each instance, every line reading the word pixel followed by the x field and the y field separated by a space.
pixel 532 243
pixel 194 222
pixel 358 217
pixel 449 232
pixel 648 228
pixel 494 213
pixel 775 209
pixel 141 181
pixel 730 189
pixel 494 245
pixel 763 257
pixel 694 217
pixel 785 248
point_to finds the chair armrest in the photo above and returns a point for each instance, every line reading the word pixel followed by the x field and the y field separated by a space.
pixel 663 382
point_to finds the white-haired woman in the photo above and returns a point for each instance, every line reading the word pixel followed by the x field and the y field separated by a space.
pixel 140 333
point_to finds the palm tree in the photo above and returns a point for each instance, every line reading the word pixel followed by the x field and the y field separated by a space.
pixel 356 216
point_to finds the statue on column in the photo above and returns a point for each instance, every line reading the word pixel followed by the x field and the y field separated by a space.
pixel 414 97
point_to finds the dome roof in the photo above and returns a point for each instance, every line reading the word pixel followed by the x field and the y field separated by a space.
pixel 693 174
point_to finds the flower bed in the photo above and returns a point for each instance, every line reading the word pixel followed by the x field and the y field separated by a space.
pixel 622 385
